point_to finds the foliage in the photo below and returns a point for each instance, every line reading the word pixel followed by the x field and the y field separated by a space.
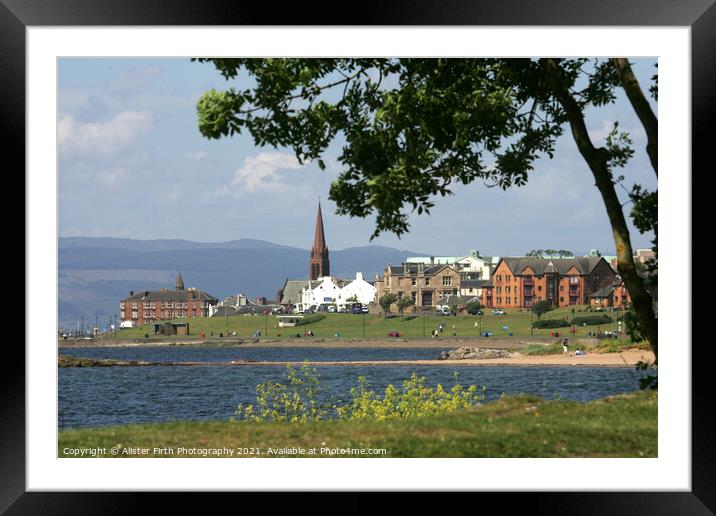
pixel 550 323
pixel 413 399
pixel 386 300
pixel 619 345
pixel 542 307
pixel 540 349
pixel 591 320
pixel 473 307
pixel 403 303
pixel 550 253
pixel 310 319
pixel 633 326
pixel 296 400
pixel 645 214
pixel 650 381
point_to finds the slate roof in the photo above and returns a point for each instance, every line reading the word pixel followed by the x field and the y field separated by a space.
pixel 412 268
pixel 604 292
pixel 171 295
pixel 292 291
pixel 453 299
pixel 584 264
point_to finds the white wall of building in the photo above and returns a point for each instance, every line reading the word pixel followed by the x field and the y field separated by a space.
pixel 328 292
pixel 360 288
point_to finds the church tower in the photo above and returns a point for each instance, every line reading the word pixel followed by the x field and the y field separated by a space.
pixel 319 265
pixel 179 285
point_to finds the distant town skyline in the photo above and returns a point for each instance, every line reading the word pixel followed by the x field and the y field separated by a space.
pixel 132 164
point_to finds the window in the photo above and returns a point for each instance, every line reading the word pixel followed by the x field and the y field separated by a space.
pixel 427 282
pixel 413 281
pixel 539 288
pixel 447 281
pixel 561 288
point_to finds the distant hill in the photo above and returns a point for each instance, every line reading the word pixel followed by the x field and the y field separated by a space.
pixel 95 273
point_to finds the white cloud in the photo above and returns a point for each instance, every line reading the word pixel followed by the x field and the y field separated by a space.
pixel 132 81
pixel 261 172
pixel 196 156
pixel 101 138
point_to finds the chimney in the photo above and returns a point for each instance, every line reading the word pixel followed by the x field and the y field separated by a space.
pixel 131 293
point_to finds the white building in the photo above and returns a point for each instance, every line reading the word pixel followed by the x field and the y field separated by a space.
pixel 472 266
pixel 360 289
pixel 329 290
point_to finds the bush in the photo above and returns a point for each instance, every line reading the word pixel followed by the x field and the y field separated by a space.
pixel 591 320
pixel 296 400
pixel 473 308
pixel 414 399
pixel 550 323
pixel 310 319
pixel 540 349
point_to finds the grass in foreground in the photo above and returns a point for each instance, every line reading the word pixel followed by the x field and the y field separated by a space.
pixel 515 426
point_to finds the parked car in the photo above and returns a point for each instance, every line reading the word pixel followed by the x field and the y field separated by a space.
pixel 498 311
pixel 393 334
pixel 607 335
pixel 441 311
pixel 342 309
pixel 332 308
pixel 365 310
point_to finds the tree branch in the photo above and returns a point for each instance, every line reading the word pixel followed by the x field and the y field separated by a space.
pixel 642 108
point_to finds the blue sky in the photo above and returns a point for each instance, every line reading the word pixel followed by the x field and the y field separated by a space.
pixel 132 164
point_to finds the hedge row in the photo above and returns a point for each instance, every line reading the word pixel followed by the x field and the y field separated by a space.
pixel 550 323
pixel 591 320
pixel 310 319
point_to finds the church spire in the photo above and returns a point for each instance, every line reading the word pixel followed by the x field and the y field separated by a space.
pixel 180 282
pixel 319 264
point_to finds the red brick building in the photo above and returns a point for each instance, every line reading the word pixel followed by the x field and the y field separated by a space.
pixel 155 305
pixel 521 282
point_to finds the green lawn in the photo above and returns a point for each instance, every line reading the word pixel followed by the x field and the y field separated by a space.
pixel 516 426
pixel 373 326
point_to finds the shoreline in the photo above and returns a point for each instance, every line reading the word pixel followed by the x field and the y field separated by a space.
pixel 381 342
pixel 628 358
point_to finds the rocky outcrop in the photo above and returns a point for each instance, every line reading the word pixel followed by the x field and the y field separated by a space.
pixel 474 353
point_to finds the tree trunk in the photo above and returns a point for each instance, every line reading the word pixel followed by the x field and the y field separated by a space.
pixel 597 161
pixel 642 108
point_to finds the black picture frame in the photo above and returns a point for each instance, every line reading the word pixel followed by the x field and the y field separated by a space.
pixel 17 15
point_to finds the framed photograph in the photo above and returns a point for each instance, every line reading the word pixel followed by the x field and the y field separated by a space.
pixel 150 134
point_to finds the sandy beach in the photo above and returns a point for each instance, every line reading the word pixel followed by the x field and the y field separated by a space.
pixel 628 358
